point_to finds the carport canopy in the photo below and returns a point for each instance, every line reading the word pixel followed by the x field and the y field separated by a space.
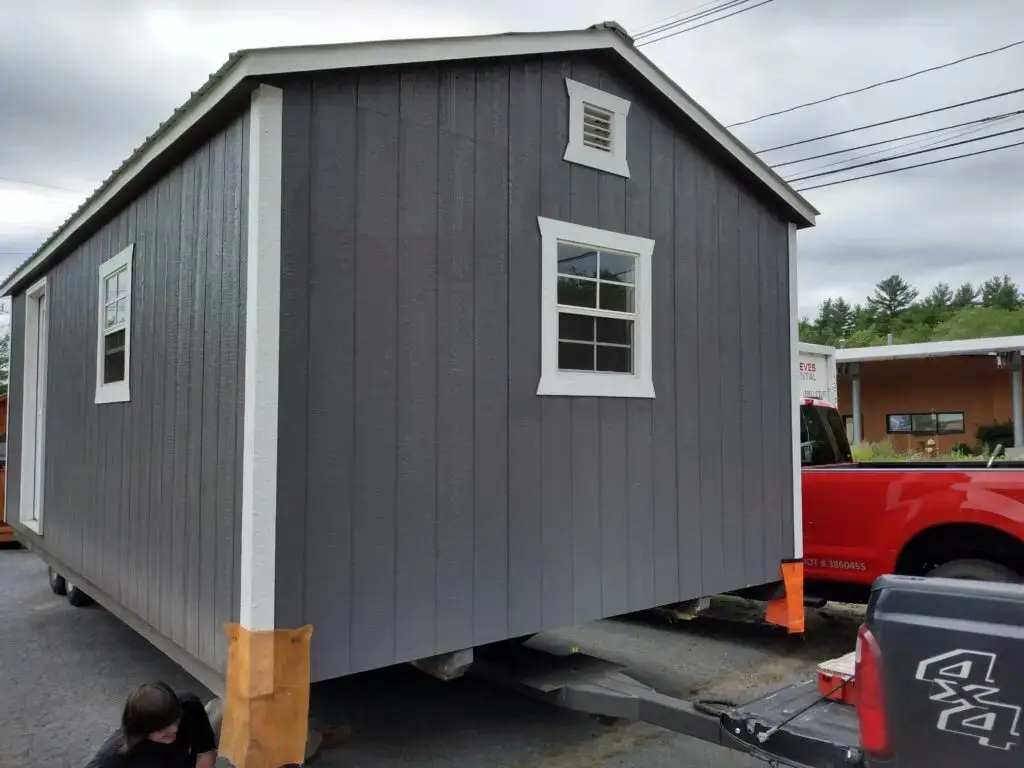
pixel 1008 346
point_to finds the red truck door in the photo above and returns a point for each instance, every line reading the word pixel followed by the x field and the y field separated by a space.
pixel 840 509
pixel 841 536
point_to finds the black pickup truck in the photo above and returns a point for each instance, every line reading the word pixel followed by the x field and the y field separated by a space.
pixel 939 683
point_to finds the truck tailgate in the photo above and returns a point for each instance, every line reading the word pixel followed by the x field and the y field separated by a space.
pixel 797 725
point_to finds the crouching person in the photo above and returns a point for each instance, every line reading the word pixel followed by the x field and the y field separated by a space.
pixel 160 729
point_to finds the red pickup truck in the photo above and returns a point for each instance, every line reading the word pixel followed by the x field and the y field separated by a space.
pixel 959 519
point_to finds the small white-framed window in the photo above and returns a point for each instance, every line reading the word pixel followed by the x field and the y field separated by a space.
pixel 597 129
pixel 114 346
pixel 595 312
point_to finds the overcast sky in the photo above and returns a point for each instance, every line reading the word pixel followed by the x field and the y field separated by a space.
pixel 82 84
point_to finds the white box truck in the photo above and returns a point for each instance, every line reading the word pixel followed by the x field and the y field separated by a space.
pixel 817 372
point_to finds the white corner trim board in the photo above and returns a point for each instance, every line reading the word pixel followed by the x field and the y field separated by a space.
pixel 554 381
pixel 262 341
pixel 611 159
pixel 118 391
pixel 794 365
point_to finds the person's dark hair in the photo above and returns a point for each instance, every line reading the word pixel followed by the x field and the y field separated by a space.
pixel 150 708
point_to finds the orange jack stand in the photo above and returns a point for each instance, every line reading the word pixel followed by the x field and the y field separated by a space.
pixel 788 611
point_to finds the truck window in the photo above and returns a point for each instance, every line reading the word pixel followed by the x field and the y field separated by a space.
pixel 815 442
pixel 838 428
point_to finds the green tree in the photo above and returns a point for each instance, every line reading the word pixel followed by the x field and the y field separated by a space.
pixel 835 321
pixel 944 314
pixel 940 299
pixel 865 337
pixel 966 296
pixel 981 323
pixel 891 298
pixel 1000 293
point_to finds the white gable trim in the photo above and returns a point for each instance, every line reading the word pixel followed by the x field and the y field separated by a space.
pixel 273 61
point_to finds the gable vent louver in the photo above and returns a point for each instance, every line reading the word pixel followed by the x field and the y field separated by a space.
pixel 597 128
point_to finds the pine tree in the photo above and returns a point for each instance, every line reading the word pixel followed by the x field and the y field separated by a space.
pixel 966 296
pixel 891 298
pixel 1000 293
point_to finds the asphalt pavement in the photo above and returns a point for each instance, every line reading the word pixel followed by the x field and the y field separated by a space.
pixel 64 673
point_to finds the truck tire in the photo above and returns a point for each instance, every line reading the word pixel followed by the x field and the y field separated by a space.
pixel 77 597
pixel 57 583
pixel 975 570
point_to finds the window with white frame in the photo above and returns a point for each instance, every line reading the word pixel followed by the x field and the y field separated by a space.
pixel 113 362
pixel 595 312
pixel 597 129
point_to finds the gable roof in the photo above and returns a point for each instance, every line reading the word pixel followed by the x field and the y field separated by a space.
pixel 244 67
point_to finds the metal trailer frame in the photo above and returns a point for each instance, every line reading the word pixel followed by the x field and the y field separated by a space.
pixel 790 725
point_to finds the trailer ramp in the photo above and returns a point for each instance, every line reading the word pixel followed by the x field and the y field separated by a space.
pixel 793 725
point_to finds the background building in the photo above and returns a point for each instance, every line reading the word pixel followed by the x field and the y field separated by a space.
pixel 946 390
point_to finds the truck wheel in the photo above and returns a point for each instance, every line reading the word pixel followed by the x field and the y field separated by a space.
pixel 57 583
pixel 77 597
pixel 975 570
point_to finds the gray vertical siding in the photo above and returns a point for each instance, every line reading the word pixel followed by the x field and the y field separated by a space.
pixel 142 498
pixel 429 500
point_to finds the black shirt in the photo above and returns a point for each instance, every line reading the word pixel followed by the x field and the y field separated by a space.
pixel 195 737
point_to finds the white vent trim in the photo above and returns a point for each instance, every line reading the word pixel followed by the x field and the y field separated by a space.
pixel 597 129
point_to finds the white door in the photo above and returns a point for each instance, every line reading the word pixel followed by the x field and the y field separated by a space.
pixel 40 407
pixel 34 421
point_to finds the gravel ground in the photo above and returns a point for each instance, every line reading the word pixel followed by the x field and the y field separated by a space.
pixel 64 673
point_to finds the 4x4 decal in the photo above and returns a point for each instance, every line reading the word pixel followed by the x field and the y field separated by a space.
pixel 963 681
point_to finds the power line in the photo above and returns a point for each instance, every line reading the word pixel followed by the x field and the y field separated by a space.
pixel 42 186
pixel 890 121
pixel 672 17
pixel 911 167
pixel 900 157
pixel 703 24
pixel 919 142
pixel 900 138
pixel 685 17
pixel 878 84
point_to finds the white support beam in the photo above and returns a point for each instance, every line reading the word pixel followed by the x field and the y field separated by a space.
pixel 262 342
pixel 1018 405
pixel 795 394
pixel 858 426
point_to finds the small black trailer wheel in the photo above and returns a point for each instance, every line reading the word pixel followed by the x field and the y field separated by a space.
pixel 77 597
pixel 57 583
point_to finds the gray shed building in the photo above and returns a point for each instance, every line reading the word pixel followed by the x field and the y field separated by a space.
pixel 426 343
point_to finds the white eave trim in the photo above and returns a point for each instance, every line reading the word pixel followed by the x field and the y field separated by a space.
pixel 272 61
pixel 990 346
pixel 262 359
